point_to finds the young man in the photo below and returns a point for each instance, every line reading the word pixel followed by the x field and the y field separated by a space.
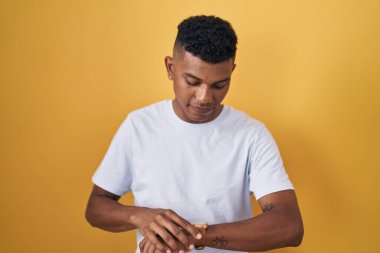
pixel 192 163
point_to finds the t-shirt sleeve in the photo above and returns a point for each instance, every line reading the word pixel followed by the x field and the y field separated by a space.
pixel 267 173
pixel 114 173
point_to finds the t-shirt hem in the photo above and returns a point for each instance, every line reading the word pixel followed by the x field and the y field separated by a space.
pixel 107 186
pixel 277 188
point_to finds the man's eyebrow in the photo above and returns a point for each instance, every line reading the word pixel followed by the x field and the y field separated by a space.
pixel 192 76
pixel 199 79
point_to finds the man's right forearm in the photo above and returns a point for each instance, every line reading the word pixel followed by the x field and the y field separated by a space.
pixel 106 213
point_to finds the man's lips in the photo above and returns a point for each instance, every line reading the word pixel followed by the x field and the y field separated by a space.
pixel 202 109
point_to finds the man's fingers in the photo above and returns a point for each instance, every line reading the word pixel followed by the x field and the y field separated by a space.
pixel 174 230
pixel 192 230
pixel 164 235
pixel 151 248
pixel 169 230
pixel 178 233
pixel 145 246
pixel 151 235
pixel 142 244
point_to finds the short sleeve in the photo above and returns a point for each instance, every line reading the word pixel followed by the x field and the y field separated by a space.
pixel 266 171
pixel 114 173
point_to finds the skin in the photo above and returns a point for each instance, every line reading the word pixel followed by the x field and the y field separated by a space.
pixel 199 88
pixel 280 225
pixel 105 212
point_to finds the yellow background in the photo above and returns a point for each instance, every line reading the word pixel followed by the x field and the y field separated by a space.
pixel 72 70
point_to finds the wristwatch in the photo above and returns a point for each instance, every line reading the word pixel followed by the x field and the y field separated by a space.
pixel 201 243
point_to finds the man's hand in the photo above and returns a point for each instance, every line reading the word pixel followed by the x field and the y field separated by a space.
pixel 165 230
pixel 147 246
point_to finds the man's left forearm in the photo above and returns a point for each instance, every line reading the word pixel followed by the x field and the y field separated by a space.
pixel 280 225
pixel 255 234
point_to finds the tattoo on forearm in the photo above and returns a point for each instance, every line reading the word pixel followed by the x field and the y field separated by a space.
pixel 219 241
pixel 268 207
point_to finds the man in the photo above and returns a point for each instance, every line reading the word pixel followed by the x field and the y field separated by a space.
pixel 192 163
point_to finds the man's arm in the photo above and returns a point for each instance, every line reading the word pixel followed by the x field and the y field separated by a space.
pixel 105 212
pixel 280 225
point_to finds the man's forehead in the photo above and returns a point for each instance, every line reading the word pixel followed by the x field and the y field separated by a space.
pixel 192 66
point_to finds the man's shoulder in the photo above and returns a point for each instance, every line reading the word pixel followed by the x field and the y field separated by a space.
pixel 149 111
pixel 242 119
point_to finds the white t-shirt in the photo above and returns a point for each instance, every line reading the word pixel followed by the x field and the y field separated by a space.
pixel 204 172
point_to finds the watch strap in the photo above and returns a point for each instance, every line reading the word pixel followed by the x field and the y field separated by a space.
pixel 201 243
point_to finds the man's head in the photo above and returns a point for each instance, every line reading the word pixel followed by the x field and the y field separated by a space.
pixel 201 67
pixel 210 38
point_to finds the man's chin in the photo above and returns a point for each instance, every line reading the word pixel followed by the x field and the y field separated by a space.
pixel 198 119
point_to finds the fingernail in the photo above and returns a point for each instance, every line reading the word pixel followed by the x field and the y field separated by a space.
pixel 181 251
pixel 191 246
pixel 199 236
pixel 168 251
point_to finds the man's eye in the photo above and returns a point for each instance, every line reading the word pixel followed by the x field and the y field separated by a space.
pixel 219 86
pixel 192 84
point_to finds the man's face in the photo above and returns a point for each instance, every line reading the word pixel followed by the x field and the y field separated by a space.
pixel 199 87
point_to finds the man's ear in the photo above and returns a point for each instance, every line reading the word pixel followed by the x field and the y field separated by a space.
pixel 169 66
pixel 233 68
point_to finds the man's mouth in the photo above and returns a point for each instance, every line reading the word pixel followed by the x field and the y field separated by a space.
pixel 202 110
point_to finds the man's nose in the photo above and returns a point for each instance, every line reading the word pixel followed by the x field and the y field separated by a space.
pixel 204 95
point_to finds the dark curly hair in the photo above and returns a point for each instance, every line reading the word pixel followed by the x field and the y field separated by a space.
pixel 208 37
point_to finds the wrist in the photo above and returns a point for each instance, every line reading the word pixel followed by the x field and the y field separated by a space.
pixel 209 235
pixel 136 216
